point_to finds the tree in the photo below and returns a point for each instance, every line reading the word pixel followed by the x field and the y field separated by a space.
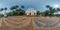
pixel 20 12
pixel 1 15
pixel 22 6
pixel 1 9
pixel 5 12
pixel 38 12
pixel 58 9
pixel 11 13
pixel 14 8
pixel 47 13
pixel 51 10
pixel 17 11
pixel 5 15
pixel 47 6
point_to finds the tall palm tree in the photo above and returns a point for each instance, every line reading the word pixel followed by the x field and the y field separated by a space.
pixel 50 9
pixel 20 11
pixel 14 7
pixel 1 9
pixel 22 6
pixel 4 10
pixel 58 9
pixel 38 12
pixel 47 12
pixel 47 6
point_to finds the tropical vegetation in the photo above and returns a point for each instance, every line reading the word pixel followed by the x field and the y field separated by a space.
pixel 19 10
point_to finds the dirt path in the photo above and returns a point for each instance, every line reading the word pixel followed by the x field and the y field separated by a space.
pixel 28 23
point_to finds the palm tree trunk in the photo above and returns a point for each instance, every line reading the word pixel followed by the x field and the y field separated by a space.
pixel 5 15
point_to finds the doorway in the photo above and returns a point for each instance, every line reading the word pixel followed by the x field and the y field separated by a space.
pixel 29 13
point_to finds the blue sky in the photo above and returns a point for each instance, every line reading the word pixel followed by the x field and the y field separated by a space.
pixel 37 4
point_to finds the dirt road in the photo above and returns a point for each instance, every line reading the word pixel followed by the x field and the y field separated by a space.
pixel 30 23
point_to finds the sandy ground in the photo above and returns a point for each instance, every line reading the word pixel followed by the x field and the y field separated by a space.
pixel 24 23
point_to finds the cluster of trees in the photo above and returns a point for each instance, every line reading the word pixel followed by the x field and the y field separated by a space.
pixel 16 10
pixel 51 10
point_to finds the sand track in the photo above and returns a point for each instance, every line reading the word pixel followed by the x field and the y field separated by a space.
pixel 35 22
pixel 47 24
pixel 11 23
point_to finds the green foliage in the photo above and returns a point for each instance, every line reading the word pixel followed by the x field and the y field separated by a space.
pixel 47 6
pixel 51 14
pixel 38 12
pixel 1 15
pixel 5 8
pixel 58 9
pixel 11 13
pixel 51 10
pixel 18 11
pixel 22 6
pixel 1 9
pixel 46 13
pixel 4 12
pixel 14 7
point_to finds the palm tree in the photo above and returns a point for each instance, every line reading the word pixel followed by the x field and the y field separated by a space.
pixel 5 12
pixel 38 12
pixel 47 6
pixel 22 6
pixel 20 11
pixel 1 9
pixel 58 9
pixel 14 7
pixel 51 10
pixel 5 15
pixel 47 12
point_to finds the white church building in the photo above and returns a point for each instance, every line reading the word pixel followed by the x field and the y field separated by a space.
pixel 31 11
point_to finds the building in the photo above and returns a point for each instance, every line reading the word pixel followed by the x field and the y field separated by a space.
pixel 31 11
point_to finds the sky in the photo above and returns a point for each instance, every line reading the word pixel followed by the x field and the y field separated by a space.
pixel 39 5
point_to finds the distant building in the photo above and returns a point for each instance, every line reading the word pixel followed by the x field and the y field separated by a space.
pixel 31 11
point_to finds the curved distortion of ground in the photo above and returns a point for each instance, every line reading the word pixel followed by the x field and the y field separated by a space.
pixel 22 22
pixel 47 24
pixel 11 23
